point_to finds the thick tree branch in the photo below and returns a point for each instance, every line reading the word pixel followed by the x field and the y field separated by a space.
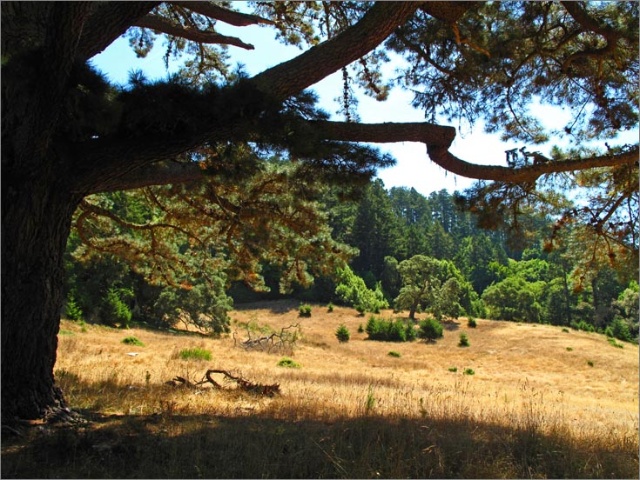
pixel 102 157
pixel 580 15
pixel 442 157
pixel 159 24
pixel 231 17
pixel 427 133
pixel 449 12
pixel 437 138
pixel 109 21
pixel 318 62
pixel 160 173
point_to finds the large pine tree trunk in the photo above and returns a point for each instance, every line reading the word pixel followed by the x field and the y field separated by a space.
pixel 36 218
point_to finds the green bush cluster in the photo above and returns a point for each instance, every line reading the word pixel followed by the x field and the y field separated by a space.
pixel 132 341
pixel 304 310
pixel 395 354
pixel 584 326
pixel 353 290
pixel 464 340
pixel 390 330
pixel 431 329
pixel 342 333
pixel 116 307
pixel 619 329
pixel 612 342
pixel 287 362
pixel 471 323
pixel 195 353
pixel 72 308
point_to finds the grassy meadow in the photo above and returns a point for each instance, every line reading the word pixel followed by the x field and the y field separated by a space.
pixel 521 400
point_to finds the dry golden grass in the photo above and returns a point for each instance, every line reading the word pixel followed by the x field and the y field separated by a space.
pixel 534 407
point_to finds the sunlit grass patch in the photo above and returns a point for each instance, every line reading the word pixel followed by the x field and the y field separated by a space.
pixel 195 353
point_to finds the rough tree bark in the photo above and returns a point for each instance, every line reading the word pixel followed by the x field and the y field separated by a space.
pixel 36 219
pixel 39 196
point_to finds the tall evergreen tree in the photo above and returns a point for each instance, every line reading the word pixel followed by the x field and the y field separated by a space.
pixel 375 230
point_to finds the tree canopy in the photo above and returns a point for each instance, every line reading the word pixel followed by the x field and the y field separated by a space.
pixel 68 133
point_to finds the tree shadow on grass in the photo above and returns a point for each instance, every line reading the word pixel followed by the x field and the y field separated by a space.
pixel 282 445
pixel 451 325
pixel 274 306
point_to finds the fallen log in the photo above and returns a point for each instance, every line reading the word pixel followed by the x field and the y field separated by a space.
pixel 242 383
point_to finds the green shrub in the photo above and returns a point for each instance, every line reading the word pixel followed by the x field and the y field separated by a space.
pixel 410 332
pixel 342 333
pixel 195 353
pixel 72 308
pixel 330 307
pixel 590 363
pixel 569 349
pixel 353 290
pixel 619 329
pixel 584 326
pixel 370 401
pixel 464 340
pixel 394 354
pixel 431 329
pixel 304 310
pixel 360 329
pixel 287 362
pixel 116 308
pixel 133 341
pixel 472 323
pixel 453 369
pixel 565 330
pixel 469 371
pixel 613 342
pixel 389 330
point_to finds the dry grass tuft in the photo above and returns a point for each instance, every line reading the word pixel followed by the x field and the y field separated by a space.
pixel 533 408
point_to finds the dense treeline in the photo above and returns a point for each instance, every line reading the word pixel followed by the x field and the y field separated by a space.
pixel 414 253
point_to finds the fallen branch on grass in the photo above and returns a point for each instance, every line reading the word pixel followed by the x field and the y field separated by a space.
pixel 243 384
pixel 283 341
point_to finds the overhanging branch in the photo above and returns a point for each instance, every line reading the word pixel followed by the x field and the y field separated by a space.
pixel 109 21
pixel 160 173
pixel 377 24
pixel 159 24
pixel 427 133
pixel 442 157
pixel 231 17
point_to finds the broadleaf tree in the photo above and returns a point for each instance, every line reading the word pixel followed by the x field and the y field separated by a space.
pixel 68 133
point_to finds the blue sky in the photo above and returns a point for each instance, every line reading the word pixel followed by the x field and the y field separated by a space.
pixel 413 168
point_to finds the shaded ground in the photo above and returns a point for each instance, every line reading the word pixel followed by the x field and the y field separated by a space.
pixel 204 446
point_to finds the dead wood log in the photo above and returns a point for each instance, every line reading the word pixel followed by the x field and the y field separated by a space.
pixel 283 341
pixel 245 385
